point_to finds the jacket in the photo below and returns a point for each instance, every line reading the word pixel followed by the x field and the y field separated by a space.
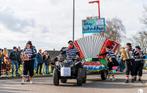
pixel 14 56
pixel 39 58
pixel 46 59
pixel 123 54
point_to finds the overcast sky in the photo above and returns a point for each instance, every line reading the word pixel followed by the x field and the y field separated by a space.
pixel 48 23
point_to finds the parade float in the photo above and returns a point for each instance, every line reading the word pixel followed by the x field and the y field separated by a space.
pixel 90 48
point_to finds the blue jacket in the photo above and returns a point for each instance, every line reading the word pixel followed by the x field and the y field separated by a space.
pixel 39 58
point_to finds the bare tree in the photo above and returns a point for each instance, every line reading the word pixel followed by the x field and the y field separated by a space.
pixel 114 29
pixel 144 17
pixel 141 37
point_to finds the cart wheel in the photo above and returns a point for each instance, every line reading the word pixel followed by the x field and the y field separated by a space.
pixel 104 75
pixel 79 78
pixel 63 80
pixel 55 77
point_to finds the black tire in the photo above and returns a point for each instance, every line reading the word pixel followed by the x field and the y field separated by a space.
pixel 79 78
pixel 63 80
pixel 85 76
pixel 104 75
pixel 55 77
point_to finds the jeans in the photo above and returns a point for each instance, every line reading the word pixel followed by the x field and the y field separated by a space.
pixel 46 68
pixel 121 65
pixel 39 67
pixel 28 68
pixel 14 67
pixel 35 64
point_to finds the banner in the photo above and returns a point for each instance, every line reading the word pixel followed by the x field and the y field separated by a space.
pixel 93 25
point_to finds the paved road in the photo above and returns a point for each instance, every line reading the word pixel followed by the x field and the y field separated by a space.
pixel 93 85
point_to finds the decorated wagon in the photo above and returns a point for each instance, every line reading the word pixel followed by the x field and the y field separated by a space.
pixel 90 48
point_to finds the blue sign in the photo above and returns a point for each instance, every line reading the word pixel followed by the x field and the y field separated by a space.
pixel 93 25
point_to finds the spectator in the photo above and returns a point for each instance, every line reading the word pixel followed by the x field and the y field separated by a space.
pixel 1 60
pixel 28 59
pixel 14 59
pixel 46 61
pixel 19 57
pixel 6 62
pixel 123 57
pixel 35 59
pixel 39 57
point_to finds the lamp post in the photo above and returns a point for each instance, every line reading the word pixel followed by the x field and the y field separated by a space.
pixel 98 2
pixel 73 28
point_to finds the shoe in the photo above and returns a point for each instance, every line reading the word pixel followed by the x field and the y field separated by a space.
pixel 132 80
pixel 31 82
pixel 40 73
pixel 127 81
pixel 27 80
pixel 139 80
pixel 113 79
pixel 135 78
pixel 22 82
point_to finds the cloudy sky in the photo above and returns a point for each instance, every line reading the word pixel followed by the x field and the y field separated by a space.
pixel 48 23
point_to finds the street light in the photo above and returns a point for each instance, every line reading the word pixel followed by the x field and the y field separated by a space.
pixel 98 2
pixel 73 20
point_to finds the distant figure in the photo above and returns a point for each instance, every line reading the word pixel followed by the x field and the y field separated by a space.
pixel 1 60
pixel 19 57
pixel 46 61
pixel 39 57
pixel 123 57
pixel 14 59
pixel 6 62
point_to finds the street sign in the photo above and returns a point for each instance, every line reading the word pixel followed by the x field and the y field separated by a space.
pixel 93 25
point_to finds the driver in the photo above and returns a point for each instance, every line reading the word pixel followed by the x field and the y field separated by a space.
pixel 71 52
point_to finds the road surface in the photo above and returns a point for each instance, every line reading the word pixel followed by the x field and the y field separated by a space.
pixel 93 85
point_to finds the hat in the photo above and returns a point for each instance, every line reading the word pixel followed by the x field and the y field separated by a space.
pixel 29 42
pixel 70 41
pixel 129 44
pixel 109 47
pixel 138 47
pixel 14 47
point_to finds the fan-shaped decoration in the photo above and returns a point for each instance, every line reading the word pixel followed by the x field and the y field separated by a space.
pixel 92 46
